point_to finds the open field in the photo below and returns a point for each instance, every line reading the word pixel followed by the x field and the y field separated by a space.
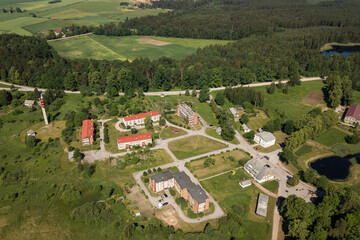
pixel 192 146
pixel 222 164
pixel 129 47
pixel 212 132
pixel 314 98
pixel 66 13
pixel 258 121
pixel 227 192
pixel 272 186
pixel 169 133
pixel 331 137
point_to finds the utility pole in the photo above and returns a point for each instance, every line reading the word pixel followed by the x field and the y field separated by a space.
pixel 42 102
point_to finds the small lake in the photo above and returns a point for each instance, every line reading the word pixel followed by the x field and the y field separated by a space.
pixel 342 50
pixel 334 167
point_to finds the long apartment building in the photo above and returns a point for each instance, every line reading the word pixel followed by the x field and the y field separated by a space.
pixel 194 194
pixel 139 119
pixel 186 113
pixel 134 140
pixel 87 134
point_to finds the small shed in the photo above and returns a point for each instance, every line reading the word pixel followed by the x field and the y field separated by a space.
pixel 246 128
pixel 218 130
pixel 245 183
pixel 29 103
pixel 175 130
pixel 31 133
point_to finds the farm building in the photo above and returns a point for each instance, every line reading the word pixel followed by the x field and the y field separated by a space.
pixel 29 103
pixel 191 192
pixel 245 183
pixel 265 139
pixel 134 140
pixel 262 204
pixel 246 128
pixel 352 115
pixel 139 119
pixel 161 181
pixel 87 135
pixel 187 114
pixel 234 112
pixel 57 32
pixel 259 170
pixel 30 133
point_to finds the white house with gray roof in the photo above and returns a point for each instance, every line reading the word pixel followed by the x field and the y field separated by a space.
pixel 259 170
pixel 262 204
pixel 265 139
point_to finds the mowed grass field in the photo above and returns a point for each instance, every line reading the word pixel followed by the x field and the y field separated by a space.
pixel 65 13
pixel 194 145
pixel 331 137
pixel 128 48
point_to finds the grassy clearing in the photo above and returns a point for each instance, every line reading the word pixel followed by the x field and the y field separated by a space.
pixel 169 133
pixel 303 150
pixel 258 121
pixel 189 42
pixel 227 192
pixel 194 145
pixel 212 132
pixel 331 137
pixel 222 164
pixel 123 48
pixel 272 186
pixel 268 149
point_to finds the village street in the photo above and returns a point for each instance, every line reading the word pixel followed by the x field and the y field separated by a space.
pixel 302 190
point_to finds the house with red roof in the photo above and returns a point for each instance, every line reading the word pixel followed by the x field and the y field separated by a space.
pixel 57 32
pixel 134 140
pixel 87 135
pixel 139 119
pixel 352 115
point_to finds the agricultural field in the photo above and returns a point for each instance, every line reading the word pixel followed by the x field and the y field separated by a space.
pixel 193 146
pixel 129 47
pixel 223 162
pixel 227 192
pixel 65 13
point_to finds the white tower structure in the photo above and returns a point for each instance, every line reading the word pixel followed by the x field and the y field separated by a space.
pixel 42 102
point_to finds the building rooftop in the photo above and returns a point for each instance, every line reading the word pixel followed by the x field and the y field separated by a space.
pixel 162 176
pixel 245 127
pixel 141 115
pixel 233 111
pixel 186 109
pixel 262 204
pixel 29 102
pixel 133 138
pixel 353 111
pixel 31 132
pixel 196 192
pixel 245 183
pixel 87 128
pixel 266 136
pixel 258 168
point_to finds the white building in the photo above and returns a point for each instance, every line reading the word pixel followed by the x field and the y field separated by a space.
pixel 234 112
pixel 265 139
pixel 31 133
pixel 259 170
pixel 219 130
pixel 245 183
pixel 139 119
pixel 246 128
pixel 29 103
pixel 134 140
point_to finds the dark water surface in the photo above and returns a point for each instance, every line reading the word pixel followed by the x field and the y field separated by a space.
pixel 343 50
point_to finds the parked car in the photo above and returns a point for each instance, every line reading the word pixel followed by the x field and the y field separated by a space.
pixel 162 196
pixel 165 203
pixel 165 195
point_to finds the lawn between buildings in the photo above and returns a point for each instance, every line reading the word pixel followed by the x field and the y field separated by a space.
pixel 225 189
pixel 212 133
pixel 223 162
pixel 194 145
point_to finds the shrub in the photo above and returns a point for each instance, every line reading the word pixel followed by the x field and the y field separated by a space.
pixel 172 192
pixel 146 180
pixel 294 180
pixel 159 169
pixel 145 173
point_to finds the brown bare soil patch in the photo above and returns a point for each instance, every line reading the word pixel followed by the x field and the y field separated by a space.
pixel 152 41
pixel 313 98
pixel 138 201
pixel 168 215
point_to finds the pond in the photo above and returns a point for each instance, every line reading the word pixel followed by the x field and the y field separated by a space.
pixel 343 50
pixel 334 167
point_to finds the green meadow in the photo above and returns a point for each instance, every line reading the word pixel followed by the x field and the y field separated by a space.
pixel 128 48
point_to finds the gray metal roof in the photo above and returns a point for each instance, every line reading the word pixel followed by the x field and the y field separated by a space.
pixel 245 127
pixel 257 168
pixel 30 132
pixel 30 102
pixel 262 204
pixel 266 136
pixel 162 176
pixel 245 182
pixel 196 192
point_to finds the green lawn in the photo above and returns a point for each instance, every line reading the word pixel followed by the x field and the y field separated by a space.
pixel 331 137
pixel 212 132
pixel 4 86
pixel 193 146
pixel 222 164
pixel 123 48
pixel 272 186
pixel 303 150
pixel 227 192
pixel 169 133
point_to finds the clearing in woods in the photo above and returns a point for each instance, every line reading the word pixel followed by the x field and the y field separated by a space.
pixel 313 98
pixel 152 41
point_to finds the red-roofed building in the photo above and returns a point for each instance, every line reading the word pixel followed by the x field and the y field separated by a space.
pixel 57 32
pixel 134 140
pixel 352 115
pixel 139 119
pixel 87 134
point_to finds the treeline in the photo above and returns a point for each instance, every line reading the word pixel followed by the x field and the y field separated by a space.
pixel 240 95
pixel 236 19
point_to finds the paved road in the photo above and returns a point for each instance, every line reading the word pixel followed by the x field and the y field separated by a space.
pixel 65 38
pixel 29 89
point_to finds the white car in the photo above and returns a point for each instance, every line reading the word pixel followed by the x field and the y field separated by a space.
pixel 160 205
